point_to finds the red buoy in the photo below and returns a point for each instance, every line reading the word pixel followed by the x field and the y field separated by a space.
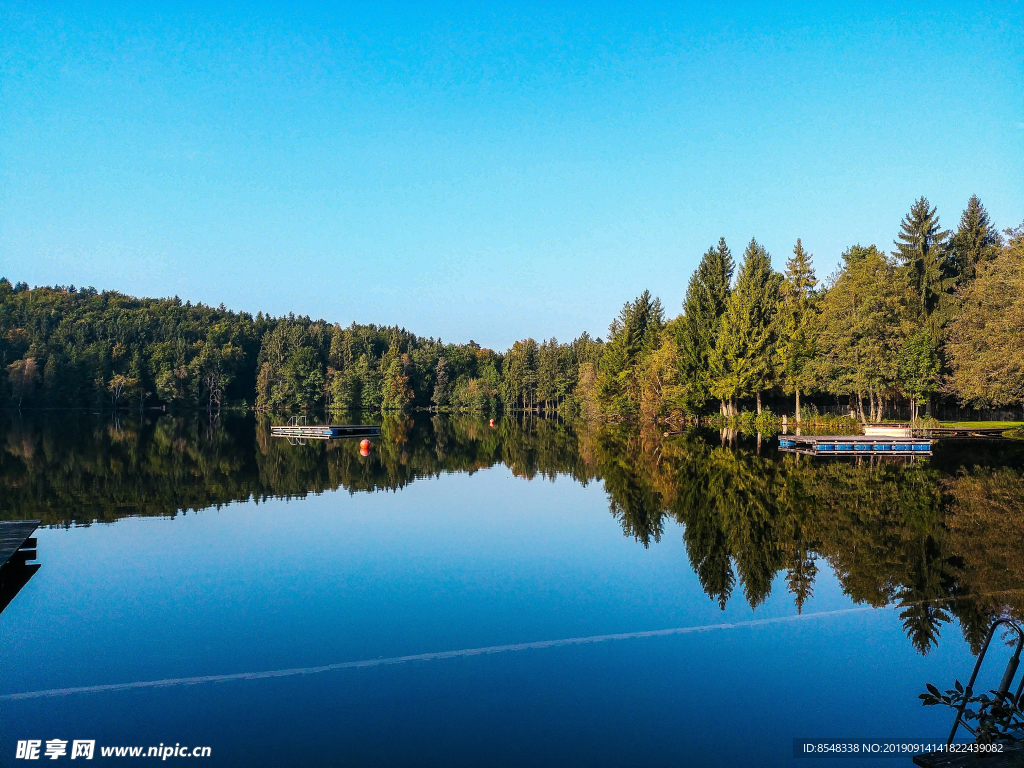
pixel 492 422
pixel 364 447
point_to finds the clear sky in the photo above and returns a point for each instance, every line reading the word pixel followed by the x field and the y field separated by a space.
pixel 480 171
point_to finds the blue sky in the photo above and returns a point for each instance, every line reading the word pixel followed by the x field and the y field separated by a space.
pixel 486 172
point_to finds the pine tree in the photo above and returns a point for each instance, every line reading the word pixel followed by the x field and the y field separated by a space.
pixel 922 247
pixel 796 336
pixel 698 329
pixel 548 371
pixel 743 361
pixel 441 393
pixel 975 241
pixel 632 336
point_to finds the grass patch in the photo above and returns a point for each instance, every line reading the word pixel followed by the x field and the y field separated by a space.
pixel 982 424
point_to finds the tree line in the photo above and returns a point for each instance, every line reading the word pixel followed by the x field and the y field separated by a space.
pixel 940 315
pixel 937 316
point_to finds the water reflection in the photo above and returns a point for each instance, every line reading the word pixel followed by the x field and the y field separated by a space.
pixel 941 537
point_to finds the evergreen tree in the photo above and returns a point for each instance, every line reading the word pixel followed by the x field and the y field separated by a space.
pixel 743 360
pixel 697 331
pixel 986 345
pixel 796 334
pixel 632 336
pixel 975 241
pixel 397 394
pixel 548 372
pixel 440 396
pixel 922 247
pixel 519 377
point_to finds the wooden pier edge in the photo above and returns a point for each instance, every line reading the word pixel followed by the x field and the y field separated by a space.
pixel 14 537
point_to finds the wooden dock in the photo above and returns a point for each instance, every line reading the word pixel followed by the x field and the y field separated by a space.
pixel 855 445
pixel 15 542
pixel 1012 755
pixel 324 431
pixel 16 549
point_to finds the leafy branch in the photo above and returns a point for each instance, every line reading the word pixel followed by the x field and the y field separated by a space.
pixel 997 717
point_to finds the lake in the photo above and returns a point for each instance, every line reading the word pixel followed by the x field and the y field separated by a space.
pixel 533 593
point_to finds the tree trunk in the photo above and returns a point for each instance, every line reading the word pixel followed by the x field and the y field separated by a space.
pixel 798 405
pixel 758 403
pixel 860 407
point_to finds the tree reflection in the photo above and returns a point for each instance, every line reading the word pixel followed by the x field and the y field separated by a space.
pixel 940 539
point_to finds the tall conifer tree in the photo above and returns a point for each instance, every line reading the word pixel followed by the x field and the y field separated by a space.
pixel 632 336
pixel 922 247
pixel 796 335
pixel 743 361
pixel 975 241
pixel 698 329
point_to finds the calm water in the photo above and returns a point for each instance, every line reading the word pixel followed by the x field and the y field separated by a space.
pixel 826 593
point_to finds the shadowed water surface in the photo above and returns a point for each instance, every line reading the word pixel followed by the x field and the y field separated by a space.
pixel 535 593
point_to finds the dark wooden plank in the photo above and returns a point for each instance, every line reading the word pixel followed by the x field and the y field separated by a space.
pixel 1012 756
pixel 13 536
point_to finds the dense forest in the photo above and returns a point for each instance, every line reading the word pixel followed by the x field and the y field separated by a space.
pixel 937 317
pixel 939 539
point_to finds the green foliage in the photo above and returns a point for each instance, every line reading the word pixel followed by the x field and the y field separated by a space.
pixel 632 336
pixel 993 719
pixel 827 423
pixel 976 241
pixel 985 345
pixel 863 322
pixel 767 423
pixel 922 248
pixel 63 346
pixel 797 323
pixel 743 361
pixel 919 367
pixel 881 330
pixel 696 334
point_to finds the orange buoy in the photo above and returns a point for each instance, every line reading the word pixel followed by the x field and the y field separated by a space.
pixel 364 447
pixel 491 422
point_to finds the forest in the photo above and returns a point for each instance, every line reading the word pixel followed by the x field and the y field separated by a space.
pixel 937 317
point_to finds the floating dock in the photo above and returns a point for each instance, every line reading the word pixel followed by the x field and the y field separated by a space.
pixel 851 445
pixel 324 431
